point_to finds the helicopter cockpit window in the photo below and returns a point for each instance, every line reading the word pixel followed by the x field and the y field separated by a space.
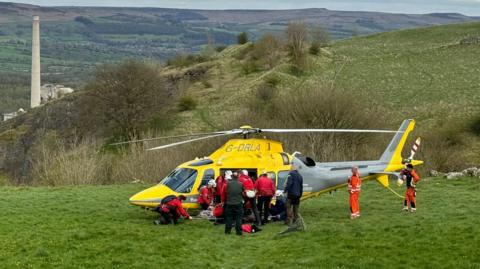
pixel 181 180
pixel 208 175
pixel 282 178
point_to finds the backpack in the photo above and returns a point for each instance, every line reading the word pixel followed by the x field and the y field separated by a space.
pixel 167 199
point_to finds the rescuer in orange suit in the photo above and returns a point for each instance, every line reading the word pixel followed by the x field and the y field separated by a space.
pixel 411 178
pixel 354 187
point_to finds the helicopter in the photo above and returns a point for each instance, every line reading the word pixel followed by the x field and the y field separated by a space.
pixel 260 155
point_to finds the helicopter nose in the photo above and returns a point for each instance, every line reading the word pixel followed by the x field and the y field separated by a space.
pixel 150 197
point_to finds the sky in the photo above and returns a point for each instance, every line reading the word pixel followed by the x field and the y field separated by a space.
pixel 467 7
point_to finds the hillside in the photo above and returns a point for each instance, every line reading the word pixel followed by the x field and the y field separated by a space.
pixel 76 39
pixel 424 74
pixel 95 227
pixel 428 74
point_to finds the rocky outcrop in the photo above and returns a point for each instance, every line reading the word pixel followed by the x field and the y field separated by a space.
pixel 469 172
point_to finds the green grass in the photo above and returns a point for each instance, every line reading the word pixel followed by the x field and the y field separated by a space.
pixel 94 227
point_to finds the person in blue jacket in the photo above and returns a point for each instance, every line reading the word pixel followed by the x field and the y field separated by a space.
pixel 293 190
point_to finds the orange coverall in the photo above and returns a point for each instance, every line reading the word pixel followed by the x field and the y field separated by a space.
pixel 411 194
pixel 354 187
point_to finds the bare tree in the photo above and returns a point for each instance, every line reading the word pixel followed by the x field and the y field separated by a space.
pixel 127 96
pixel 297 36
pixel 267 50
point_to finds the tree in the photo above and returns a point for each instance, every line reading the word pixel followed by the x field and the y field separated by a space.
pixel 297 35
pixel 242 38
pixel 320 37
pixel 127 96
pixel 267 50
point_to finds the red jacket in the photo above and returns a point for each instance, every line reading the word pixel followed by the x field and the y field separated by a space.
pixel 265 186
pixel 205 195
pixel 177 205
pixel 354 184
pixel 247 182
pixel 220 181
pixel 223 196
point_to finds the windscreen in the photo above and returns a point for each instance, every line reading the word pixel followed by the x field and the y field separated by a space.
pixel 181 180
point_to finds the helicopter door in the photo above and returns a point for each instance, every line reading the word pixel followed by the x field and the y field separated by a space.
pixel 282 179
pixel 251 172
pixel 208 175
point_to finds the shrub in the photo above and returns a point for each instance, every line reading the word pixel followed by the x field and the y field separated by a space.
pixel 59 162
pixel 249 66
pixel 220 48
pixel 186 103
pixel 206 84
pixel 267 51
pixel 242 38
pixel 314 49
pixel 474 125
pixel 321 107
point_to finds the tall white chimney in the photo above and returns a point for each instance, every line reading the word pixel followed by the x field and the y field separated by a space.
pixel 35 94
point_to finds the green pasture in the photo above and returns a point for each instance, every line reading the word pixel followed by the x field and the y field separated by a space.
pixel 95 227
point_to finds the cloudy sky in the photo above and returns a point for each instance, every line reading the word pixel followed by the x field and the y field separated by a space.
pixel 468 7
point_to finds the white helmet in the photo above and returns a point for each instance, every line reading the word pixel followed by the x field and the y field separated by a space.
pixel 212 183
pixel 228 174
pixel 245 172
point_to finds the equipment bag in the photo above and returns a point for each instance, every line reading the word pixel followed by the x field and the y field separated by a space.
pixel 167 199
pixel 218 211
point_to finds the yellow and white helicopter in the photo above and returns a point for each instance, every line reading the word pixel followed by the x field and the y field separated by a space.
pixel 260 154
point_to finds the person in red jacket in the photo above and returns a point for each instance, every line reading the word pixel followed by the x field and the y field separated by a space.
pixel 223 185
pixel 354 187
pixel 250 193
pixel 220 183
pixel 171 210
pixel 265 192
pixel 411 177
pixel 206 194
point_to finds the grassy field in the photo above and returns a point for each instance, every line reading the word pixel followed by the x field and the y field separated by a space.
pixel 95 227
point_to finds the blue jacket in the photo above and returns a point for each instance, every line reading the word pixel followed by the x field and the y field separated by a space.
pixel 294 186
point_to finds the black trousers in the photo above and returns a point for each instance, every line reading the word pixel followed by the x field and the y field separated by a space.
pixel 264 206
pixel 233 213
pixel 168 217
pixel 253 203
pixel 204 206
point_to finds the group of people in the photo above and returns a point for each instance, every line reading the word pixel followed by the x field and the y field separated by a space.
pixel 233 194
pixel 408 175
pixel 238 193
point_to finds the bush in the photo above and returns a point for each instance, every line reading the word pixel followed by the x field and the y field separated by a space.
pixel 314 49
pixel 267 51
pixel 265 92
pixel 242 38
pixel 206 84
pixel 220 48
pixel 186 103
pixel 321 107
pixel 59 162
pixel 249 66
pixel 474 125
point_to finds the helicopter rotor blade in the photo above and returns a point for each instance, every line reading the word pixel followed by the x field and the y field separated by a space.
pixel 166 137
pixel 326 131
pixel 197 139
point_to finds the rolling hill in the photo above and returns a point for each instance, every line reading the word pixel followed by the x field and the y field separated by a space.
pixel 76 39
pixel 429 74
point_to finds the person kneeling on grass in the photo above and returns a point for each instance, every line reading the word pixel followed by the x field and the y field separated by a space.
pixel 205 198
pixel 171 209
